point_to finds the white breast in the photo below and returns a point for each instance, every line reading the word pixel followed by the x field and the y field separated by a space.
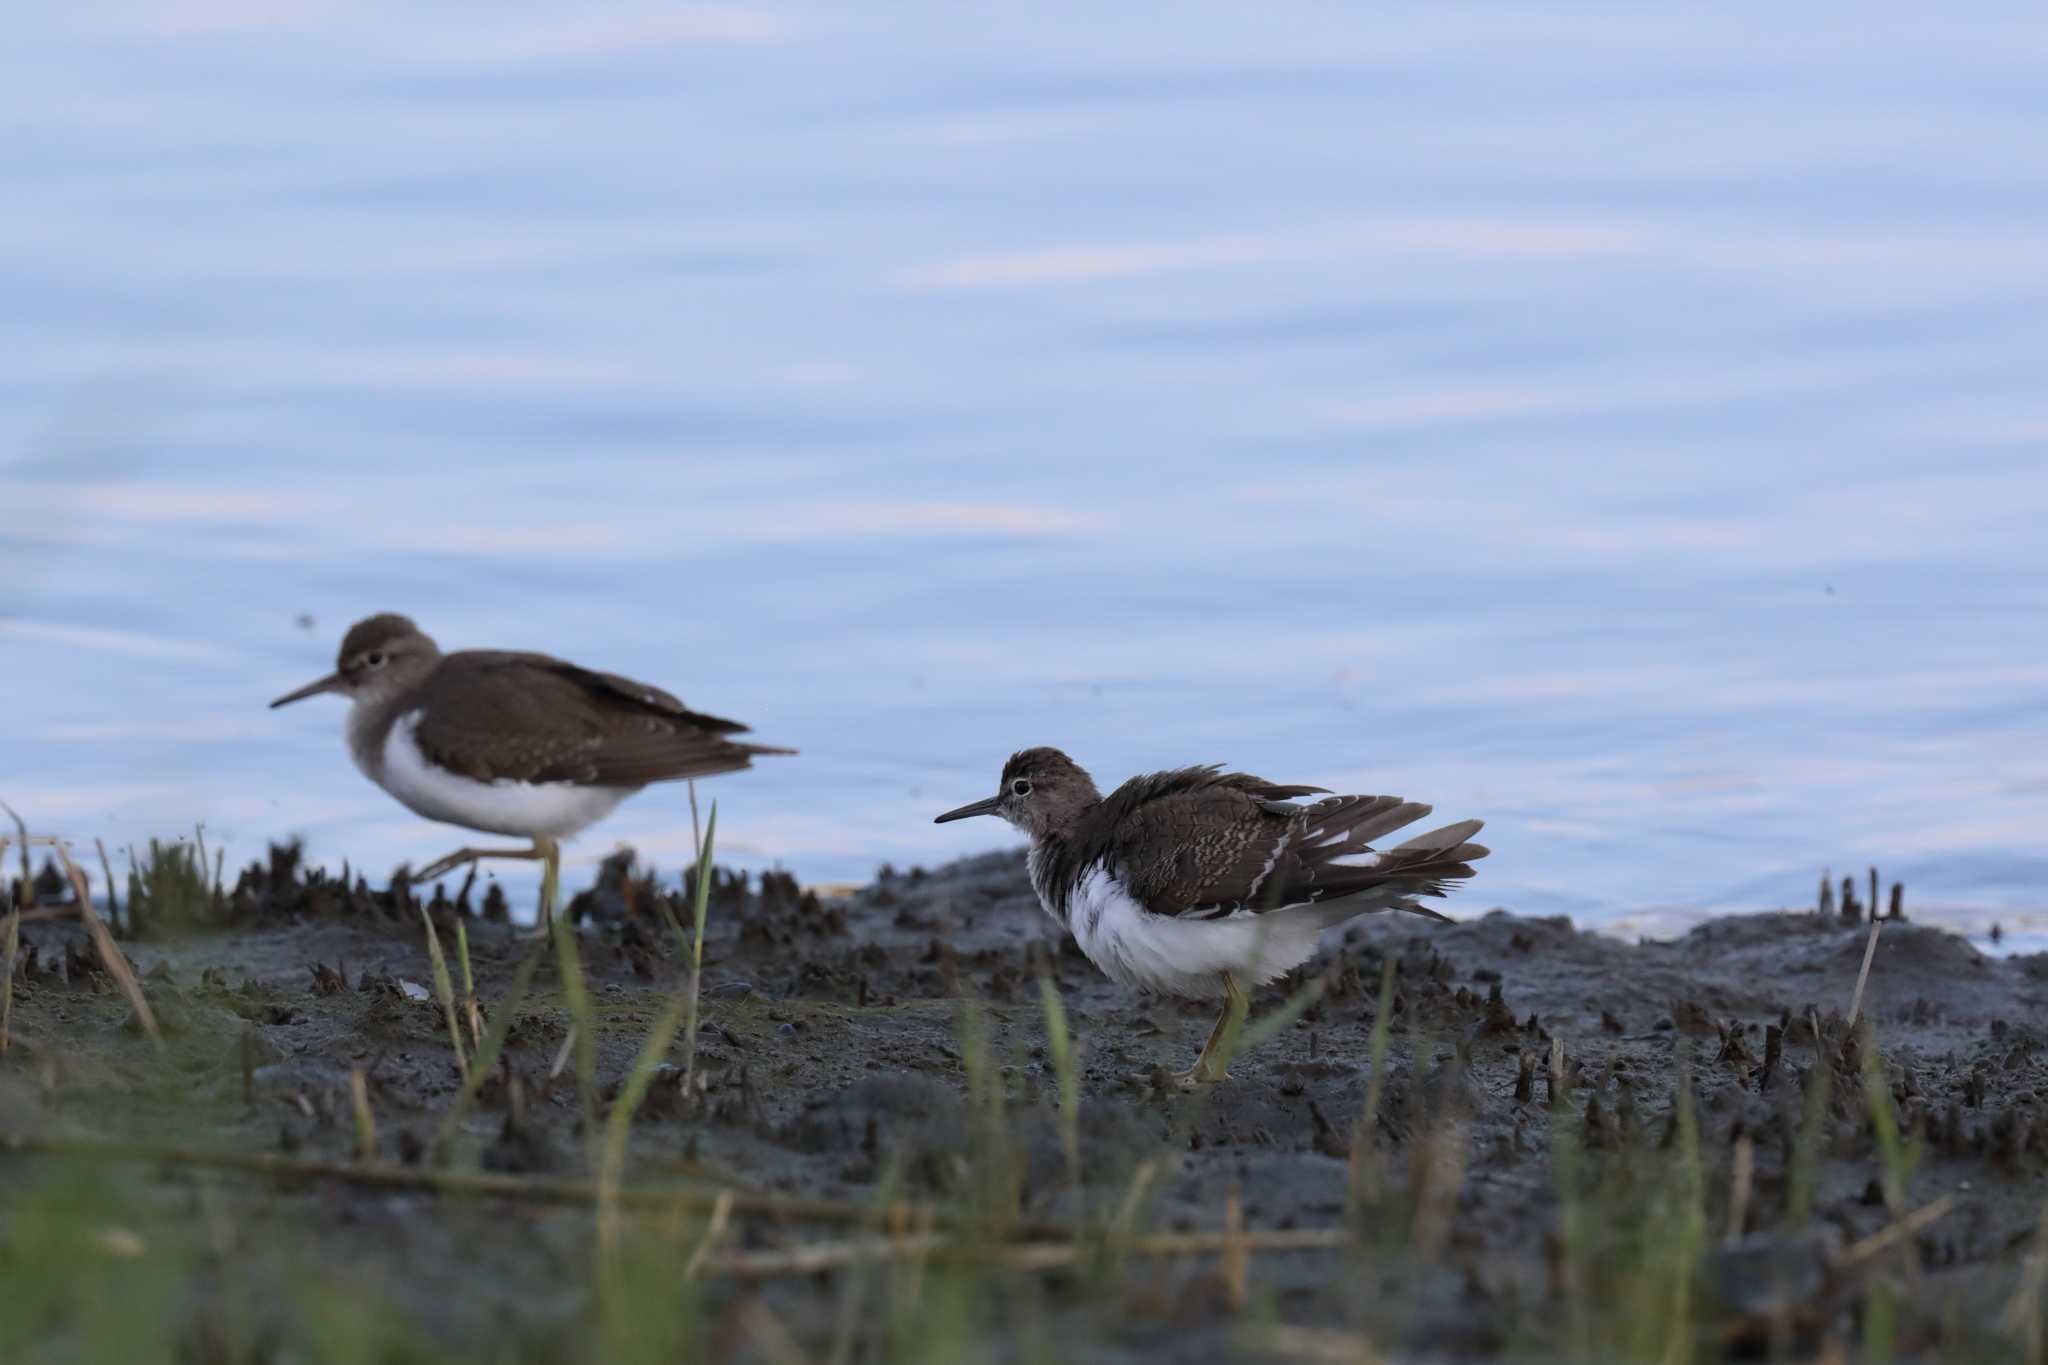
pixel 1186 957
pixel 555 810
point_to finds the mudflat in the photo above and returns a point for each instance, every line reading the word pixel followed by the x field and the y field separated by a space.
pixel 1501 1139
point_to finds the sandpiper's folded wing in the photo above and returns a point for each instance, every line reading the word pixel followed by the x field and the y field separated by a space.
pixel 1199 843
pixel 574 725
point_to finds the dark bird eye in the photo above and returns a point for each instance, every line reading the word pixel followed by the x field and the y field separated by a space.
pixel 375 658
pixel 1021 787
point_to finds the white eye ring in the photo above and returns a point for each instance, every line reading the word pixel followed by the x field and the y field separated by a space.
pixel 1021 787
pixel 375 658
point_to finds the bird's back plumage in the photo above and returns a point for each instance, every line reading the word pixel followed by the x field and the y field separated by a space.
pixel 1201 843
pixel 567 723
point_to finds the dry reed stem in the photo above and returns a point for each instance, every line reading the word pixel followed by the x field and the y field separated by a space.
pixel 1896 1232
pixel 116 963
pixel 470 1012
pixel 46 913
pixel 444 991
pixel 107 870
pixel 366 1122
pixel 490 1184
pixel 7 956
pixel 1127 1212
pixel 1046 1246
pixel 1315 1343
pixel 28 880
pixel 721 1214
pixel 1869 951
pixel 1236 1265
pixel 1027 1255
pixel 1739 1182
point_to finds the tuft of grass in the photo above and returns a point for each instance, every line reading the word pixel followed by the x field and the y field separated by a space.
pixel 111 957
pixel 1257 1035
pixel 1631 1243
pixel 990 1174
pixel 1364 1181
pixel 470 1013
pixel 8 954
pixel 1803 1176
pixel 618 1123
pixel 444 991
pixel 2025 1315
pixel 84 1281
pixel 493 1043
pixel 860 1276
pixel 1685 1241
pixel 366 1122
pixel 582 1017
pixel 1898 1156
pixel 169 888
pixel 700 909
pixel 107 871
pixel 644 1316
pixel 1060 1044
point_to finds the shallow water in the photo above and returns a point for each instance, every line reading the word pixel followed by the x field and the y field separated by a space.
pixel 1625 426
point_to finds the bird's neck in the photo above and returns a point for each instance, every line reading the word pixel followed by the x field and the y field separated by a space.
pixel 368 726
pixel 1055 864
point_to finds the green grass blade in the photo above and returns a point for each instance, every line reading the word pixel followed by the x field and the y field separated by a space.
pixel 1278 1022
pixel 1060 1043
pixel 1800 1181
pixel 1365 1179
pixel 444 991
pixel 494 1041
pixel 700 909
pixel 582 1017
pixel 618 1124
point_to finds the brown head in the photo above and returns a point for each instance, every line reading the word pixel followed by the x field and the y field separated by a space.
pixel 381 656
pixel 1043 791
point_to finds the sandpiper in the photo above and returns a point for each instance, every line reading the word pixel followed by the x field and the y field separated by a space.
pixel 1190 882
pixel 512 743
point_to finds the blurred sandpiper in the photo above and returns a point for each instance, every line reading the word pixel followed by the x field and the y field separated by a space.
pixel 512 743
pixel 1194 882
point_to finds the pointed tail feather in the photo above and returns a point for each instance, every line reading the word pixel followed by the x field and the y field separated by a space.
pixel 1424 866
pixel 1446 837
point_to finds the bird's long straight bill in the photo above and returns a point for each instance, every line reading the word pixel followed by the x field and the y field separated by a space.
pixel 987 807
pixel 330 683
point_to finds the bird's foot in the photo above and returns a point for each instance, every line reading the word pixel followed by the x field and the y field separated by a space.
pixel 1159 1080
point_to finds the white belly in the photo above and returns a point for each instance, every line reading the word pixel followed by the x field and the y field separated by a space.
pixel 1186 957
pixel 555 810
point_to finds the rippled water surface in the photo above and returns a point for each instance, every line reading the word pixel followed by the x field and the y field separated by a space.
pixel 1624 424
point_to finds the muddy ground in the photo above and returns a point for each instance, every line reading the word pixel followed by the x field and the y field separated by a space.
pixel 834 1060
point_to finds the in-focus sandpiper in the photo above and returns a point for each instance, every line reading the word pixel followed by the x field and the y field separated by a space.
pixel 1195 882
pixel 512 743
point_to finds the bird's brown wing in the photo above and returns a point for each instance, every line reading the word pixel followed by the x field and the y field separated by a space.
pixel 637 693
pixel 495 715
pixel 1231 843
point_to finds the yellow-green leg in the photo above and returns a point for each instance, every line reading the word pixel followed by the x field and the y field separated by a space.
pixel 550 886
pixel 545 851
pixel 1211 1065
